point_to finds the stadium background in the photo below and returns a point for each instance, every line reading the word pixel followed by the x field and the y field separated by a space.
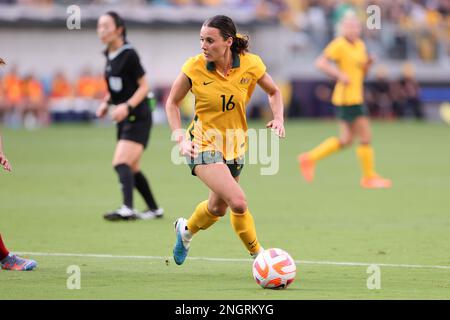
pixel 413 43
pixel 51 206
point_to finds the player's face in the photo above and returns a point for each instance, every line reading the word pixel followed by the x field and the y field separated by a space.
pixel 351 28
pixel 212 43
pixel 107 30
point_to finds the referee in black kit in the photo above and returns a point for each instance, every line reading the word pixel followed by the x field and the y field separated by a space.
pixel 128 91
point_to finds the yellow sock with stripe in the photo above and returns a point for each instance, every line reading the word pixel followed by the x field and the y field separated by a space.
pixel 326 148
pixel 201 219
pixel 244 226
pixel 366 158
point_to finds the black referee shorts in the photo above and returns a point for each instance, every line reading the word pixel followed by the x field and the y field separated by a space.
pixel 137 131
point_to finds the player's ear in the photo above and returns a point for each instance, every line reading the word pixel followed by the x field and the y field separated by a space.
pixel 229 41
pixel 120 30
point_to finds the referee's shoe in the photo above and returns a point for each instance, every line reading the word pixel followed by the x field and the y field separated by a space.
pixel 123 213
pixel 151 214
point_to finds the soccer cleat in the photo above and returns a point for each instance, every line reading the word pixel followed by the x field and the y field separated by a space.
pixel 376 182
pixel 181 248
pixel 307 167
pixel 16 263
pixel 151 214
pixel 123 213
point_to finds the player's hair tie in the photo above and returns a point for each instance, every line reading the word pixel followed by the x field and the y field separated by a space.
pixel 239 36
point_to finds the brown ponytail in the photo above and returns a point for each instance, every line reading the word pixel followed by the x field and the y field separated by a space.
pixel 240 44
pixel 227 29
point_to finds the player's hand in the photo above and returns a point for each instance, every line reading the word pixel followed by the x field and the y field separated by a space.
pixel 343 78
pixel 5 163
pixel 277 126
pixel 188 148
pixel 120 112
pixel 102 110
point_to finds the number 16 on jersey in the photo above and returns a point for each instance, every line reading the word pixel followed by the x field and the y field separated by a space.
pixel 227 106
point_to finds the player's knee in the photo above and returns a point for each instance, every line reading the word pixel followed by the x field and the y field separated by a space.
pixel 135 168
pixel 238 204
pixel 346 142
pixel 218 209
pixel 119 160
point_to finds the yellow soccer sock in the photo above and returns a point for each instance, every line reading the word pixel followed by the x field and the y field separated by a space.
pixel 244 226
pixel 326 148
pixel 201 219
pixel 367 160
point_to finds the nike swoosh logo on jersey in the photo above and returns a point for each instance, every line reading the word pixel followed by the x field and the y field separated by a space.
pixel 206 83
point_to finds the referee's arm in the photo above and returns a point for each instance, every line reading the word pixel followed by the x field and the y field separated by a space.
pixel 140 93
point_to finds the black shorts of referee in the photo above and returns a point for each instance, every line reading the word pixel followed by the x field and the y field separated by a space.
pixel 137 126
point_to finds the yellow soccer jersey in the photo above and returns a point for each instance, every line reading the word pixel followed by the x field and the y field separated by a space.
pixel 351 59
pixel 220 123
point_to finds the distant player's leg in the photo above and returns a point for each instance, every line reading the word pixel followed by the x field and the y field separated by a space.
pixel 365 153
pixel 307 161
pixel 126 153
pixel 219 179
pixel 142 185
pixel 10 261
pixel 3 250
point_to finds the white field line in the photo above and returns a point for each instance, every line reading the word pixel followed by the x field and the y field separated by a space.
pixel 300 262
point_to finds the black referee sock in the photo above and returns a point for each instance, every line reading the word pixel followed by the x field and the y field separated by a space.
pixel 143 187
pixel 126 179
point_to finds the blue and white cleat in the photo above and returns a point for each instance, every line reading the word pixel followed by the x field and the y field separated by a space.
pixel 181 248
pixel 16 263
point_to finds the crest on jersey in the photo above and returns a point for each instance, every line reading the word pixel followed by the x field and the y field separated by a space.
pixel 245 80
pixel 115 83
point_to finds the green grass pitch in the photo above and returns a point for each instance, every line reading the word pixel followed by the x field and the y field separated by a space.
pixel 62 183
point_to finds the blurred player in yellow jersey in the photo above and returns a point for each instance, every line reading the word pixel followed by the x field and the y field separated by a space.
pixel 351 63
pixel 222 79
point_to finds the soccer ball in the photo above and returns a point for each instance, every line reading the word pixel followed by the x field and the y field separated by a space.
pixel 274 269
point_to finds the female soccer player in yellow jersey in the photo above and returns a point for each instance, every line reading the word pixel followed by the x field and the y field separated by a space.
pixel 352 63
pixel 222 79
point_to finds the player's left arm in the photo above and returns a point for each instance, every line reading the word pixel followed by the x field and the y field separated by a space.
pixel 276 104
pixel 368 64
pixel 141 92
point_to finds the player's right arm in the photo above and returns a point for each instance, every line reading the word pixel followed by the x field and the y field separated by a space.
pixel 3 160
pixel 329 68
pixel 103 109
pixel 179 90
